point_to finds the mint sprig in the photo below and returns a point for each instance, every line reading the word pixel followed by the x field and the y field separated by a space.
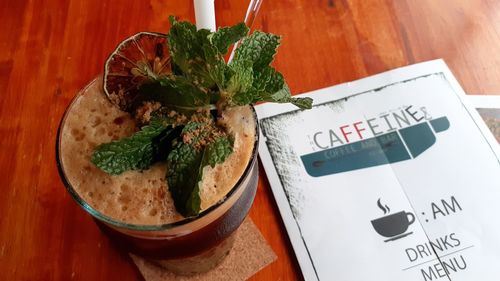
pixel 244 80
pixel 253 79
pixel 136 152
pixel 186 162
pixel 197 58
pixel 226 36
pixel 259 48
pixel 201 86
pixel 183 170
pixel 174 94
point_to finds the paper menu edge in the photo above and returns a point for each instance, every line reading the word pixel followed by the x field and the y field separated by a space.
pixel 471 110
pixel 293 231
pixel 484 101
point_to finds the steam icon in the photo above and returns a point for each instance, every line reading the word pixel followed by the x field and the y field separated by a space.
pixel 393 226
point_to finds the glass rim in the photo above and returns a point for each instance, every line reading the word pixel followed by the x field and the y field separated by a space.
pixel 145 227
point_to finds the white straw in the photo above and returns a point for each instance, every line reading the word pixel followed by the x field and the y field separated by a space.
pixel 204 11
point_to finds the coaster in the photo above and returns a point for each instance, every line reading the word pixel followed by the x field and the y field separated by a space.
pixel 250 254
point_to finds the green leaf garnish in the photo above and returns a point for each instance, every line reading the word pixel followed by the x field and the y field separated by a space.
pixel 179 107
pixel 176 94
pixel 253 79
pixel 217 151
pixel 259 48
pixel 269 85
pixel 138 151
pixel 183 169
pixel 241 79
pixel 226 36
pixel 187 160
pixel 195 55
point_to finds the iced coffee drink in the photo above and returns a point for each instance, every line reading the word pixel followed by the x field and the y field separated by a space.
pixel 162 150
pixel 136 206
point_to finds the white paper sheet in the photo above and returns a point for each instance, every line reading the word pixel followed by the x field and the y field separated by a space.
pixel 392 177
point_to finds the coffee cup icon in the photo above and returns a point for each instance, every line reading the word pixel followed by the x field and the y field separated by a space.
pixel 394 225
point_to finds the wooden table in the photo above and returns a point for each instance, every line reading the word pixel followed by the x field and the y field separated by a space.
pixel 50 49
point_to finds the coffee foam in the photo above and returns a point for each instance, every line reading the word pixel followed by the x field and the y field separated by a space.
pixel 139 197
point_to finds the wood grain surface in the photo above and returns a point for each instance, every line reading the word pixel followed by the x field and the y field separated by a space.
pixel 50 49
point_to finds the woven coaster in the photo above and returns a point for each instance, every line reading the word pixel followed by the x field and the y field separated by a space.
pixel 250 254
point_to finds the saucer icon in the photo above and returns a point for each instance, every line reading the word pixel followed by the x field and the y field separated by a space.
pixel 393 226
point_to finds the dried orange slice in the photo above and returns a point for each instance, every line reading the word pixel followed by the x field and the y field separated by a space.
pixel 138 59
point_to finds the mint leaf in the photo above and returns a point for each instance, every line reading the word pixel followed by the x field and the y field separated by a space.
pixel 162 145
pixel 180 92
pixel 183 164
pixel 182 43
pixel 217 151
pixel 241 77
pixel 176 93
pixel 186 162
pixel 253 80
pixel 269 85
pixel 226 36
pixel 195 55
pixel 259 48
pixel 215 67
pixel 302 103
pixel 136 152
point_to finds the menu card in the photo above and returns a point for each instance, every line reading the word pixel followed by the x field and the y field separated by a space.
pixel 392 177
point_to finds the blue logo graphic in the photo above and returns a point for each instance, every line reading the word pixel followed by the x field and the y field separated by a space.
pixel 400 145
